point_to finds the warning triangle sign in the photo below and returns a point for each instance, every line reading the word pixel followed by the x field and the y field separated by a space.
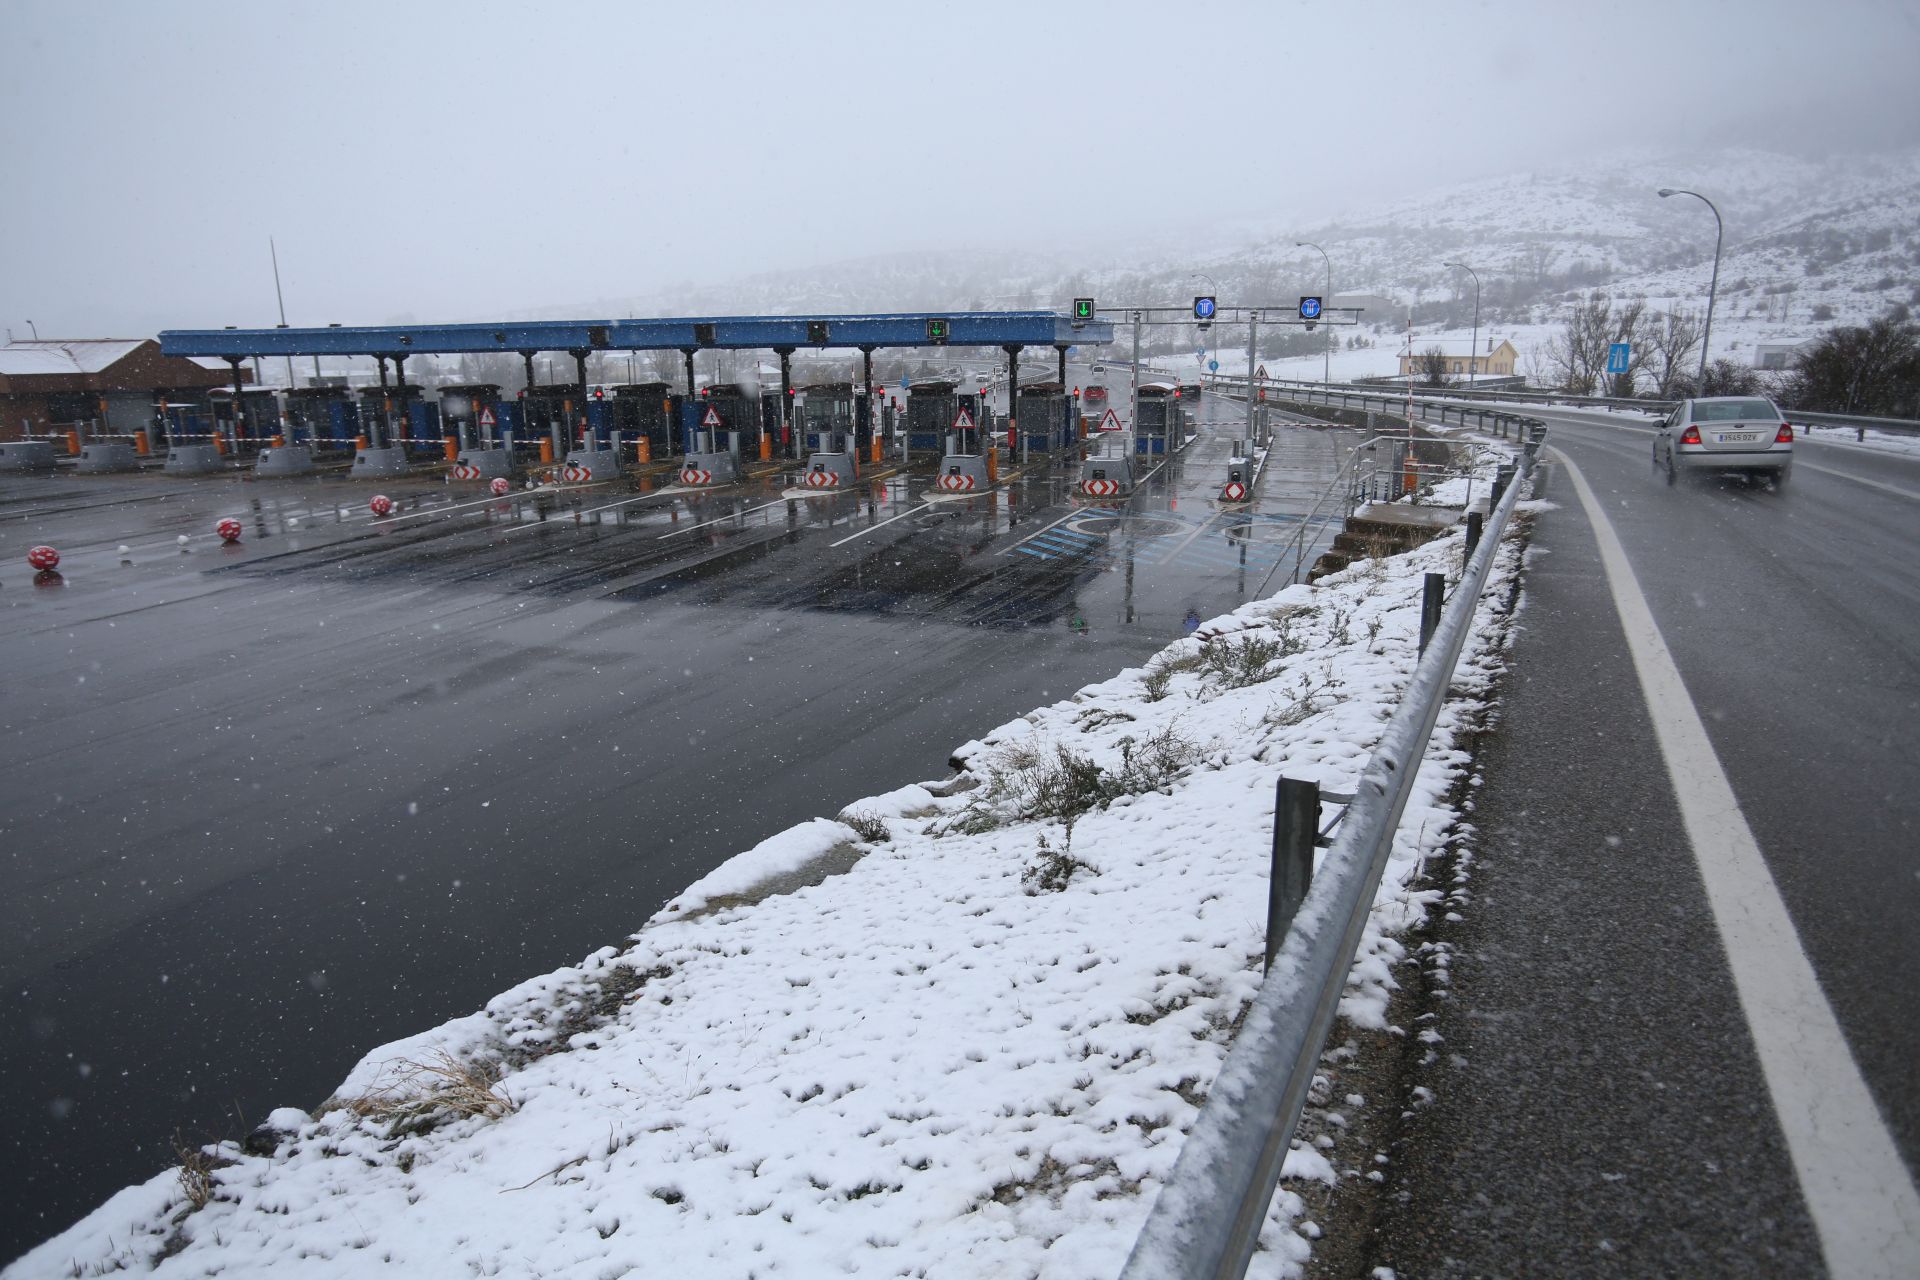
pixel 486 415
pixel 963 421
pixel 1261 372
pixel 712 419
pixel 1111 422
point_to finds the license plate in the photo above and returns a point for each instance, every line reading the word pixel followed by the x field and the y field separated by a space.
pixel 1736 437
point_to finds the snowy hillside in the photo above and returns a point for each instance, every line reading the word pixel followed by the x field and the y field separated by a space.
pixel 1809 243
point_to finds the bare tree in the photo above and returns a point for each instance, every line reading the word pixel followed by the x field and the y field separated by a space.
pixel 1672 338
pixel 1578 353
pixel 1432 365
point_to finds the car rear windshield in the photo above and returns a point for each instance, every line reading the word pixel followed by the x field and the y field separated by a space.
pixel 1733 410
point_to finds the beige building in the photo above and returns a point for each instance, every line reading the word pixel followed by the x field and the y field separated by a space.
pixel 1495 362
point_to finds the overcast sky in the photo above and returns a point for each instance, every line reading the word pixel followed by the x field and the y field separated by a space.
pixel 463 160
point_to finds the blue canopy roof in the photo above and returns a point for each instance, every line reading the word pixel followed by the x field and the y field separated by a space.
pixel 904 329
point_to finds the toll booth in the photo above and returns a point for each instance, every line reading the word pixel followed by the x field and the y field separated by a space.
pixel 643 412
pixel 481 427
pixel 827 417
pixel 552 413
pixel 737 415
pixel 388 423
pixel 931 410
pixel 1159 430
pixel 258 422
pixel 470 413
pixel 323 417
pixel 1047 420
pixel 192 446
pixel 397 417
pixel 594 455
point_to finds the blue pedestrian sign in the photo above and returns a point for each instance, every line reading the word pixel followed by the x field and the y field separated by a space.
pixel 1203 308
pixel 1617 356
pixel 1309 308
pixel 903 384
pixel 1213 366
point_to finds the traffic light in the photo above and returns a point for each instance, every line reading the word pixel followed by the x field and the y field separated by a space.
pixel 705 335
pixel 1082 310
pixel 937 331
pixel 817 332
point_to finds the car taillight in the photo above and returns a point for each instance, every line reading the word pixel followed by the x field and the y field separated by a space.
pixel 1690 436
pixel 1784 435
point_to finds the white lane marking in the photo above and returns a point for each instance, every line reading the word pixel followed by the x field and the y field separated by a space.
pixel 559 518
pixel 1862 1202
pixel 1190 537
pixel 1908 494
pixel 1037 532
pixel 777 502
pixel 877 524
pixel 417 512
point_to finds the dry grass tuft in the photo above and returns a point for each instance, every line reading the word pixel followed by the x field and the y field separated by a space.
pixel 422 1094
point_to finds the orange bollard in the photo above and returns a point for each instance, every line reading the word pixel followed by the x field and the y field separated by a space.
pixel 546 450
pixel 141 445
pixel 73 443
pixel 646 450
pixel 766 447
pixel 993 465
pixel 277 442
pixel 452 445
pixel 360 442
pixel 876 451
pixel 219 444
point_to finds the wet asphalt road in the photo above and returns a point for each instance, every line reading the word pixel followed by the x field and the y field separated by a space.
pixel 1598 1104
pixel 272 805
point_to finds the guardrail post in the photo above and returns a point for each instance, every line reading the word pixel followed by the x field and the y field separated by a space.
pixel 1501 479
pixel 1474 522
pixel 1433 598
pixel 1296 826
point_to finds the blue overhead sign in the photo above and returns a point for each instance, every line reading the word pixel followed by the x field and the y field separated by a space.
pixel 1618 355
pixel 1309 308
pixel 1203 308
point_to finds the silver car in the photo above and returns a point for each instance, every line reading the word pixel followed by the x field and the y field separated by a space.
pixel 1725 433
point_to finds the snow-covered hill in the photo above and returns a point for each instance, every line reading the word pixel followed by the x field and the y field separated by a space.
pixel 1808 243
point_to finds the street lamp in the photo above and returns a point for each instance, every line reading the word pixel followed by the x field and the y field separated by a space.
pixel 1473 352
pixel 1326 365
pixel 1719 231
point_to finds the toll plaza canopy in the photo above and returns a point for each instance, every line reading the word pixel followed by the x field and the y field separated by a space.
pixel 906 329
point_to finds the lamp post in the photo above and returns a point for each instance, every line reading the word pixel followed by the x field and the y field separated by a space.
pixel 1326 364
pixel 1719 232
pixel 1473 352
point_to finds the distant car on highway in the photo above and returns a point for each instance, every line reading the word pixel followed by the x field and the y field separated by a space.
pixel 1725 433
pixel 1099 368
pixel 983 378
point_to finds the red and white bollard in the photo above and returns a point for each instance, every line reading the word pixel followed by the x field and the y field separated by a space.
pixel 43 558
pixel 499 486
pixel 228 528
pixel 380 505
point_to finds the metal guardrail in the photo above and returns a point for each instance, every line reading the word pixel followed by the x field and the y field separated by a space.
pixel 1861 422
pixel 1206 1220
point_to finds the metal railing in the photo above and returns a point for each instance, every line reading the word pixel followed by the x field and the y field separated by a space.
pixel 1206 1220
pixel 1860 422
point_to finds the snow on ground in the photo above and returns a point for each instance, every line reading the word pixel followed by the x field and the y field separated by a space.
pixel 970 1050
